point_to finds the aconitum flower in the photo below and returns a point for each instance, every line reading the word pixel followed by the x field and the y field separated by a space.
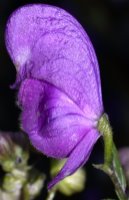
pixel 58 82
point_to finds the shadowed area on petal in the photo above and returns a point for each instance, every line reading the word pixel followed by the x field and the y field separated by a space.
pixel 53 46
pixel 78 156
pixel 51 119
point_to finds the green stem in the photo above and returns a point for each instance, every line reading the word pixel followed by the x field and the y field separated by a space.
pixel 115 180
pixel 106 130
pixel 112 166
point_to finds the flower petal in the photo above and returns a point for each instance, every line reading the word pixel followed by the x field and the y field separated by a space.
pixel 51 120
pixel 78 156
pixel 48 44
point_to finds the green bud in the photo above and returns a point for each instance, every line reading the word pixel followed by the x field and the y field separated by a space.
pixel 7 165
pixel 71 184
pixel 17 159
pixel 34 184
pixel 13 151
pixel 34 188
pixel 12 184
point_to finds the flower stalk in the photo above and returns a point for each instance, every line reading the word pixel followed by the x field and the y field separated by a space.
pixel 112 166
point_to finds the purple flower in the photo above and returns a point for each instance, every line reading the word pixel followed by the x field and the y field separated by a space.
pixel 58 81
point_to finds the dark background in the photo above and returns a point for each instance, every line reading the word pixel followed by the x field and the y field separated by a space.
pixel 107 24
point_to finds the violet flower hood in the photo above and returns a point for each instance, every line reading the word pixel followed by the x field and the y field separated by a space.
pixel 58 83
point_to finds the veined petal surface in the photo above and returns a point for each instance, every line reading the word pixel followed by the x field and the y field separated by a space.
pixel 47 43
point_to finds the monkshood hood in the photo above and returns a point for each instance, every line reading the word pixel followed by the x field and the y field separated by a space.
pixel 58 83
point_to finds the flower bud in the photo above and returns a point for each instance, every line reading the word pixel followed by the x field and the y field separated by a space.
pixel 72 184
pixel 34 184
pixel 12 183
pixel 13 151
